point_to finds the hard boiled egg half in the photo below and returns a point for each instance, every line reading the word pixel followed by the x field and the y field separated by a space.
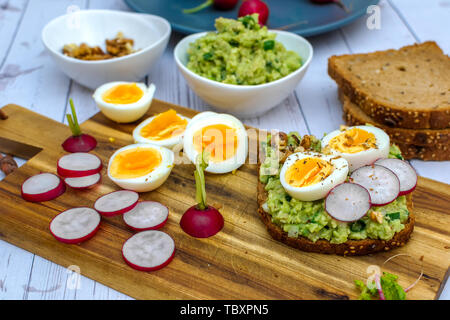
pixel 359 145
pixel 124 101
pixel 140 167
pixel 165 129
pixel 309 176
pixel 222 136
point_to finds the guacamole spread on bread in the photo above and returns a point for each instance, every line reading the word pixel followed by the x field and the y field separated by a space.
pixel 309 218
pixel 241 52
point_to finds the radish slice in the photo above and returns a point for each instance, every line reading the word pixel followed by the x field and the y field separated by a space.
pixel 404 172
pixel 83 182
pixel 382 184
pixel 148 250
pixel 116 202
pixel 75 225
pixel 42 187
pixel 347 202
pixel 146 215
pixel 79 164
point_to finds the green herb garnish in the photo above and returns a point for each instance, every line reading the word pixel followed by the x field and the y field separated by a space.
pixel 269 44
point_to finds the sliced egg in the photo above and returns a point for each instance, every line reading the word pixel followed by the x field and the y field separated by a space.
pixel 223 137
pixel 359 145
pixel 140 167
pixel 309 176
pixel 124 101
pixel 165 129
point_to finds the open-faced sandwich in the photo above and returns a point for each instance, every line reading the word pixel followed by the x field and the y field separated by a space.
pixel 348 194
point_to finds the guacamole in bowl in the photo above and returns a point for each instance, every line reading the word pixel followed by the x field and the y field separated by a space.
pixel 241 52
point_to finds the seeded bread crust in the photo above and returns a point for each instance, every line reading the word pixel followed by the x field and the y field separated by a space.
pixel 407 88
pixel 432 152
pixel 353 115
pixel 348 248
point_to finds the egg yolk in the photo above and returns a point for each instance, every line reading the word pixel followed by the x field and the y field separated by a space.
pixel 134 163
pixel 123 94
pixel 353 141
pixel 164 126
pixel 308 171
pixel 219 140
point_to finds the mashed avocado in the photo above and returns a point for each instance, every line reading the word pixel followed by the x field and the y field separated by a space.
pixel 241 52
pixel 309 219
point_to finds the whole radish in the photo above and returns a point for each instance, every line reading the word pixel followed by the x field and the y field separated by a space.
pixel 201 220
pixel 78 142
pixel 255 6
pixel 218 4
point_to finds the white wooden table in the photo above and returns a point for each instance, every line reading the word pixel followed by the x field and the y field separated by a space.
pixel 29 78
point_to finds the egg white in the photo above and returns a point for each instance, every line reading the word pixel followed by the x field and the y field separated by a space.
pixel 168 143
pixel 124 113
pixel 209 118
pixel 318 190
pixel 150 181
pixel 366 157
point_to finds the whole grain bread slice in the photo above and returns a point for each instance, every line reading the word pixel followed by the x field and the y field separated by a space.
pixel 421 137
pixel 348 248
pixel 405 88
pixel 430 152
pixel 433 152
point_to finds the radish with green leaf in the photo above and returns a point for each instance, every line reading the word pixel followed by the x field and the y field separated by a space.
pixel 78 142
pixel 201 220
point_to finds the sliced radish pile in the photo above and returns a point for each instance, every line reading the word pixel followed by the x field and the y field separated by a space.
pixel 148 250
pixel 382 184
pixel 347 202
pixel 146 215
pixel 83 182
pixel 404 171
pixel 117 202
pixel 42 187
pixel 75 225
pixel 79 164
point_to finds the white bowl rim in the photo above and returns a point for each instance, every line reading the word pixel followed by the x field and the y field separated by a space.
pixel 107 61
pixel 244 86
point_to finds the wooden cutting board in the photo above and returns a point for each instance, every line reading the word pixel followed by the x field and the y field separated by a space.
pixel 240 262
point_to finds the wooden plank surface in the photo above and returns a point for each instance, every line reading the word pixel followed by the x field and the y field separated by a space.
pixel 241 262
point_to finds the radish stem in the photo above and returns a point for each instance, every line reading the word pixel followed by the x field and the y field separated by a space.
pixel 205 4
pixel 201 164
pixel 73 121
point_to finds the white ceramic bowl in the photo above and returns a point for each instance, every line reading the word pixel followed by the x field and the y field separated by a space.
pixel 245 100
pixel 150 34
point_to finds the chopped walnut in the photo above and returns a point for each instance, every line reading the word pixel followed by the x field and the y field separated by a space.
pixel 306 142
pixel 117 47
pixel 376 216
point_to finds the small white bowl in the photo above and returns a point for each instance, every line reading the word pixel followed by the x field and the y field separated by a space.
pixel 150 34
pixel 245 100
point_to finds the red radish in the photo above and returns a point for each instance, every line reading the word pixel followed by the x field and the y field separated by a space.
pixel 218 4
pixel 75 225
pixel 148 250
pixel 201 220
pixel 255 6
pixel 382 184
pixel 347 202
pixel 78 142
pixel 338 2
pixel 83 182
pixel 404 171
pixel 146 215
pixel 79 164
pixel 116 202
pixel 42 187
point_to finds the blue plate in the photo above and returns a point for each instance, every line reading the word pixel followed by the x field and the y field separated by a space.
pixel 300 16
